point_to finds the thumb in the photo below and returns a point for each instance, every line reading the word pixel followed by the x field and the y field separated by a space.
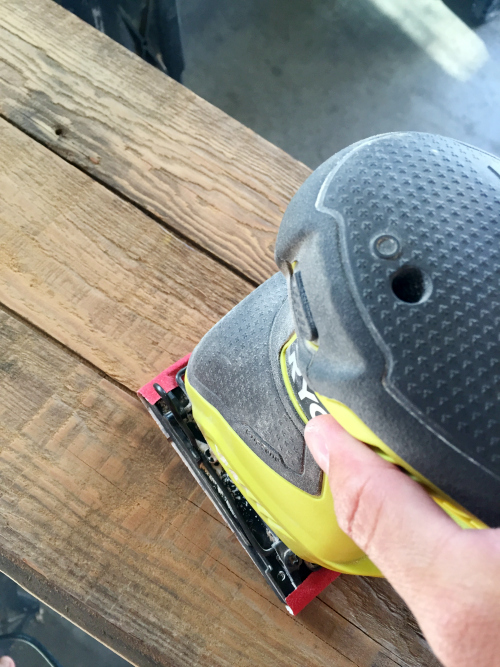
pixel 385 512
pixel 5 661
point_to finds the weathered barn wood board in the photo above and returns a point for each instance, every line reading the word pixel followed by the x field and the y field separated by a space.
pixel 92 101
pixel 98 515
pixel 78 262
pixel 97 274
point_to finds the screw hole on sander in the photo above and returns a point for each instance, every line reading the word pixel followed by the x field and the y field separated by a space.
pixel 409 284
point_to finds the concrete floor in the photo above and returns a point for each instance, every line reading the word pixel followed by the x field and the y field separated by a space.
pixel 70 646
pixel 313 76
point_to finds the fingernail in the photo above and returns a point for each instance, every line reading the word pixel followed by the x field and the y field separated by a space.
pixel 318 448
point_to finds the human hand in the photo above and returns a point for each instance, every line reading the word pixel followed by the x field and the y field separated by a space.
pixel 449 577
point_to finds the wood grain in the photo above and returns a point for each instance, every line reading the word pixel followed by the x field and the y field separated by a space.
pixel 97 274
pixel 97 515
pixel 111 284
pixel 88 522
pixel 133 128
pixel 374 607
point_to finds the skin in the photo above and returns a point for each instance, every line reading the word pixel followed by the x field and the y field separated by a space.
pixel 7 662
pixel 449 577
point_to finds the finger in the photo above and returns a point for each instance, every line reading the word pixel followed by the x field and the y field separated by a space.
pixel 5 661
pixel 389 516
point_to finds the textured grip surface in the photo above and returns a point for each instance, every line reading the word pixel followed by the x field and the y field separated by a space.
pixel 236 367
pixel 432 195
pixel 397 240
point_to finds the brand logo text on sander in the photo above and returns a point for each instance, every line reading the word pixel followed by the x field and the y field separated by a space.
pixel 307 399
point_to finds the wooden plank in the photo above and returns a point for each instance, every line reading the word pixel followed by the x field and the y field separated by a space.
pixel 96 273
pixel 108 282
pixel 88 523
pixel 374 607
pixel 133 128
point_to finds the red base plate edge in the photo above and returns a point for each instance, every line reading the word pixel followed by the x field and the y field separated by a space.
pixel 166 379
pixel 316 582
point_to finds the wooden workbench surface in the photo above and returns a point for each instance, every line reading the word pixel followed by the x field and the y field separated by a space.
pixel 133 215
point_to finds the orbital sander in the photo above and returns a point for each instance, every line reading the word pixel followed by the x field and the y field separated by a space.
pixel 385 314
